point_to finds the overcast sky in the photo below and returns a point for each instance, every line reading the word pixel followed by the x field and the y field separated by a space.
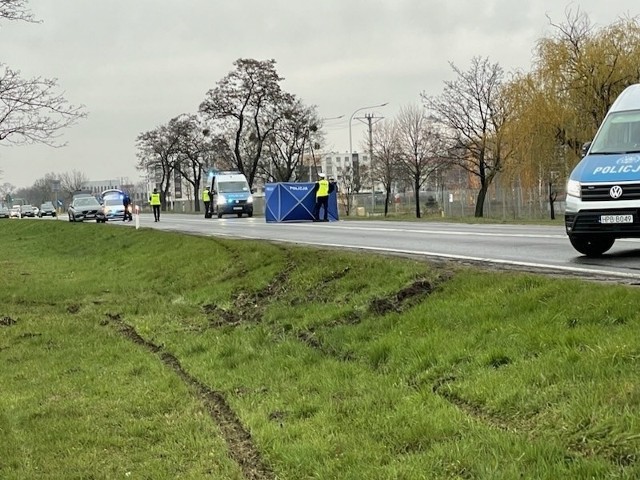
pixel 136 64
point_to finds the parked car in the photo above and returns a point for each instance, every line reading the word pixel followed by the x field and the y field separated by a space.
pixel 47 210
pixel 86 208
pixel 27 211
pixel 15 212
pixel 113 207
pixel 4 212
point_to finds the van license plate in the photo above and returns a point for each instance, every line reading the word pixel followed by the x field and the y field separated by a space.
pixel 237 208
pixel 616 218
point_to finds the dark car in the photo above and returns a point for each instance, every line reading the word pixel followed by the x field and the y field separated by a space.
pixel 47 210
pixel 86 208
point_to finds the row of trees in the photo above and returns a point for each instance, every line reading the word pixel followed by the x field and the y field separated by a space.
pixel 525 126
pixel 529 128
pixel 246 123
pixel 44 188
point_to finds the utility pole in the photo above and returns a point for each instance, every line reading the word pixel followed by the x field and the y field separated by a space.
pixel 371 119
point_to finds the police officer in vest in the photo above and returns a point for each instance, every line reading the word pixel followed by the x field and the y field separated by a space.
pixel 154 200
pixel 322 198
pixel 206 198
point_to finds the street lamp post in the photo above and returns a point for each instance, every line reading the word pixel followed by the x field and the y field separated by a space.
pixel 350 138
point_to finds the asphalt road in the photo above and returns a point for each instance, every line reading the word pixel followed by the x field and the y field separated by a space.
pixel 544 249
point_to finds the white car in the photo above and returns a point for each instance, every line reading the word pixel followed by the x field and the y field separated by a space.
pixel 15 212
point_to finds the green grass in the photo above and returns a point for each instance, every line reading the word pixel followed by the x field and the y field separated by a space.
pixel 146 354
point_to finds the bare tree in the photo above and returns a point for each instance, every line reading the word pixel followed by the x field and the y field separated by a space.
pixel 158 152
pixel 15 10
pixel 193 150
pixel 347 189
pixel 418 143
pixel 31 110
pixel 246 102
pixel 297 131
pixel 73 181
pixel 41 191
pixel 386 158
pixel 473 114
pixel 6 191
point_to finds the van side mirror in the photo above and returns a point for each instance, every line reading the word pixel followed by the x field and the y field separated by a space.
pixel 585 148
pixel 254 190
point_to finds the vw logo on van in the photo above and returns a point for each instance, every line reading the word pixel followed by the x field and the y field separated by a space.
pixel 615 191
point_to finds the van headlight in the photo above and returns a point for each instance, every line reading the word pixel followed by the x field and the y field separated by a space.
pixel 574 189
pixel 249 199
pixel 221 200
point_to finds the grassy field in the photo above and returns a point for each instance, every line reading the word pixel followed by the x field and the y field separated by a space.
pixel 152 355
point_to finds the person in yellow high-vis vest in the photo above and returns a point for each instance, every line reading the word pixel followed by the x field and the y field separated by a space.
pixel 322 198
pixel 206 198
pixel 154 200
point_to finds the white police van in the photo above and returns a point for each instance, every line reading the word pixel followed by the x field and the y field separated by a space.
pixel 231 194
pixel 603 191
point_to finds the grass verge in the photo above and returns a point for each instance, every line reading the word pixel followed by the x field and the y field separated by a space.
pixel 146 354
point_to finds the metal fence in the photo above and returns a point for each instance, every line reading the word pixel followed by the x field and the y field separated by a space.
pixel 500 203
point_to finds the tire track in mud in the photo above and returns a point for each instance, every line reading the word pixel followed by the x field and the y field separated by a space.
pixel 250 307
pixel 238 439
pixel 614 454
pixel 397 302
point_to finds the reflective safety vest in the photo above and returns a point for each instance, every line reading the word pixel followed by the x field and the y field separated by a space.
pixel 155 199
pixel 205 196
pixel 323 188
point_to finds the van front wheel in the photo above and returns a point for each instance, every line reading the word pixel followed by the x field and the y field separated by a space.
pixel 591 246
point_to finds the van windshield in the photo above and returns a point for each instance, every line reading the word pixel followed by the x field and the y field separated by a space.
pixel 620 133
pixel 230 187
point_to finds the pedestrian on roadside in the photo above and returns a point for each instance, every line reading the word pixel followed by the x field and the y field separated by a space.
pixel 126 202
pixel 154 201
pixel 206 198
pixel 333 186
pixel 322 198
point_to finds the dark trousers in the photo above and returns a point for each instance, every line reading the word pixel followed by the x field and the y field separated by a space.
pixel 127 214
pixel 206 208
pixel 321 202
pixel 156 212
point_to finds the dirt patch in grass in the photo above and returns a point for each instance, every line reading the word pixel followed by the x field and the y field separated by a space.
pixel 73 308
pixel 249 307
pixel 407 296
pixel 7 322
pixel 237 437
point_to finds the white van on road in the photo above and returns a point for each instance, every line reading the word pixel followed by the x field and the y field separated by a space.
pixel 603 191
pixel 231 194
